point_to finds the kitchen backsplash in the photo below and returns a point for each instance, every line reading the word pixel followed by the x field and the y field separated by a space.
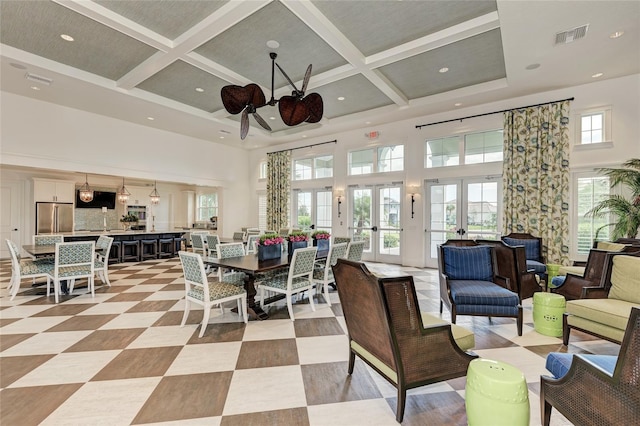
pixel 93 219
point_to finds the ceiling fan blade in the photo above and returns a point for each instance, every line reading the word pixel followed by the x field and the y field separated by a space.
pixel 314 103
pixel 261 121
pixel 292 110
pixel 307 76
pixel 244 124
pixel 234 98
pixel 255 95
pixel 287 77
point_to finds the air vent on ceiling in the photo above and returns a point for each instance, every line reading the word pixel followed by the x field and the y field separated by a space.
pixel 38 79
pixel 574 34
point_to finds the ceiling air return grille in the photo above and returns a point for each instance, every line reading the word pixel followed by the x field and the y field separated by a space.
pixel 571 35
pixel 38 79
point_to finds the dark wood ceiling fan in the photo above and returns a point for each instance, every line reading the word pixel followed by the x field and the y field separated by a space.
pixel 294 109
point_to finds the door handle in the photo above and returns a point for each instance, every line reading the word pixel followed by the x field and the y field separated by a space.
pixel 14 229
pixel 312 226
pixel 374 228
pixel 461 232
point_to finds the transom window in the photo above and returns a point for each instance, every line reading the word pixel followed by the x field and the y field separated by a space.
pixel 376 160
pixel 207 206
pixel 592 128
pixel 313 168
pixel 472 148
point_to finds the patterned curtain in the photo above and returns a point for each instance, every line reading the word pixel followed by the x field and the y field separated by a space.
pixel 536 176
pixel 278 187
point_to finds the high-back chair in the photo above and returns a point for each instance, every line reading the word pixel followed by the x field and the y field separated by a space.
pixel 355 250
pixel 212 245
pixel 103 247
pixel 45 240
pixel 74 260
pixel 533 250
pixel 198 244
pixel 595 389
pixel 298 280
pixel 26 268
pixel 251 243
pixel 388 332
pixel 324 276
pixel 230 250
pixel 338 240
pixel 200 291
pixel 469 284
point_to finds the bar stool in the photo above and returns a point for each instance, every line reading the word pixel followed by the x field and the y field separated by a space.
pixel 115 255
pixel 130 251
pixel 178 243
pixel 166 248
pixel 149 249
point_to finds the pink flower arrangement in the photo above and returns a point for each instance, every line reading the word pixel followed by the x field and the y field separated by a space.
pixel 295 237
pixel 321 235
pixel 270 240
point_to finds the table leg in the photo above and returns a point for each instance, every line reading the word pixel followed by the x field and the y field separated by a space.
pixel 254 311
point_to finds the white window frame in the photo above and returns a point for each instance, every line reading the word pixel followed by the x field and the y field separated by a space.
pixel 314 168
pixel 262 210
pixel 574 253
pixel 212 211
pixel 462 160
pixel 607 141
pixel 262 173
pixel 375 162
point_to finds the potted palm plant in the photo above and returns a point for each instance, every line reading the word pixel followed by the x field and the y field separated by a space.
pixel 626 211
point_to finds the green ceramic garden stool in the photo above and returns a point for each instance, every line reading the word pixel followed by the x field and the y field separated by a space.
pixel 552 271
pixel 496 394
pixel 548 309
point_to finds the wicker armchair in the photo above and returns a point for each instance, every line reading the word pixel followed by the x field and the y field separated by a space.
pixel 385 331
pixel 596 389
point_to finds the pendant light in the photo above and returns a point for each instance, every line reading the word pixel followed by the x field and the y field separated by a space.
pixel 154 196
pixel 123 194
pixel 85 192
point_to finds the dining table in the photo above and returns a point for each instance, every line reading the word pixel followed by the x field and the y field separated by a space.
pixel 252 267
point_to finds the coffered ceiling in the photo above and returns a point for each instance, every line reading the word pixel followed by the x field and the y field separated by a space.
pixel 373 61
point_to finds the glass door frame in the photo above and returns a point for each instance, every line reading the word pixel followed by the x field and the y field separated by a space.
pixel 314 209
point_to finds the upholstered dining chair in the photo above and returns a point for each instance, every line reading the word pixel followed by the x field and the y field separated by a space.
pixel 198 244
pixel 323 275
pixel 73 260
pixel 355 250
pixel 212 244
pixel 230 250
pixel 251 243
pixel 26 268
pixel 338 240
pixel 298 280
pixel 45 240
pixel 389 333
pixel 469 284
pixel 595 389
pixel 103 247
pixel 201 291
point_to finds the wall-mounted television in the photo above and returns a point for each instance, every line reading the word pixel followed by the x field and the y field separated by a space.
pixel 100 199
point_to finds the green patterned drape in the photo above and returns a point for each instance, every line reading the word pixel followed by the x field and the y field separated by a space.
pixel 536 176
pixel 278 188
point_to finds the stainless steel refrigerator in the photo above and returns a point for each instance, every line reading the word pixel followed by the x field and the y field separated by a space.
pixel 52 218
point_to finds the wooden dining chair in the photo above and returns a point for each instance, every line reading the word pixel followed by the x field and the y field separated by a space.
pixel 355 250
pixel 212 245
pixel 26 268
pixel 103 247
pixel 198 244
pixel 230 250
pixel 73 260
pixel 323 275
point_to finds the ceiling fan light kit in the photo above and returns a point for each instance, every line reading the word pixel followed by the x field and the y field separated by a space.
pixel 294 109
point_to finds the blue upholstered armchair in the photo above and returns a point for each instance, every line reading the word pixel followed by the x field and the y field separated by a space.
pixel 470 286
pixel 533 249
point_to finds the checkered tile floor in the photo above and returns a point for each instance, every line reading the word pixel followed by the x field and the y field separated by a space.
pixel 121 358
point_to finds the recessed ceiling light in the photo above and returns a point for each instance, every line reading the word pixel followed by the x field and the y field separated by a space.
pixel 19 66
pixel 443 70
pixel 66 37
pixel 221 137
pixel 532 66
pixel 199 89
pixel 457 104
pixel 598 74
pixel 341 98
pixel 272 118
pixel 304 136
pixel 35 87
pixel 367 122
pixel 616 34
pixel 273 44
pixel 150 118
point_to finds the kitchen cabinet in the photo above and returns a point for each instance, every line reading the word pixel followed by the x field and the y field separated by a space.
pixel 50 190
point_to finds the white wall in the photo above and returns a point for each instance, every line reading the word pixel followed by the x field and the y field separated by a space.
pixel 622 94
pixel 44 135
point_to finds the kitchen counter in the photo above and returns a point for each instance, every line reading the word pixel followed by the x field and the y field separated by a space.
pixel 114 232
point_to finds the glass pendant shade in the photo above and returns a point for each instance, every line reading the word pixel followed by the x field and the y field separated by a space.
pixel 85 192
pixel 154 196
pixel 123 194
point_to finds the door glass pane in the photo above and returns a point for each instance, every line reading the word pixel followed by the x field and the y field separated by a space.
pixel 591 191
pixel 323 210
pixel 362 216
pixel 443 217
pixel 304 210
pixel 482 210
pixel 389 214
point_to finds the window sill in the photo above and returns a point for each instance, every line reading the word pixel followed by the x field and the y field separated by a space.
pixel 592 146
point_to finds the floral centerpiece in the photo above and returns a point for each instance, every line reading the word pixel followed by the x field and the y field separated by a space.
pixel 128 220
pixel 295 240
pixel 321 239
pixel 269 246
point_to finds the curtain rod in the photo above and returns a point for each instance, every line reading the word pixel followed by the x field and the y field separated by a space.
pixel 306 146
pixel 419 126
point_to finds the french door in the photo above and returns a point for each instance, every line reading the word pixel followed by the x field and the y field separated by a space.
pixel 375 217
pixel 462 209
pixel 312 209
